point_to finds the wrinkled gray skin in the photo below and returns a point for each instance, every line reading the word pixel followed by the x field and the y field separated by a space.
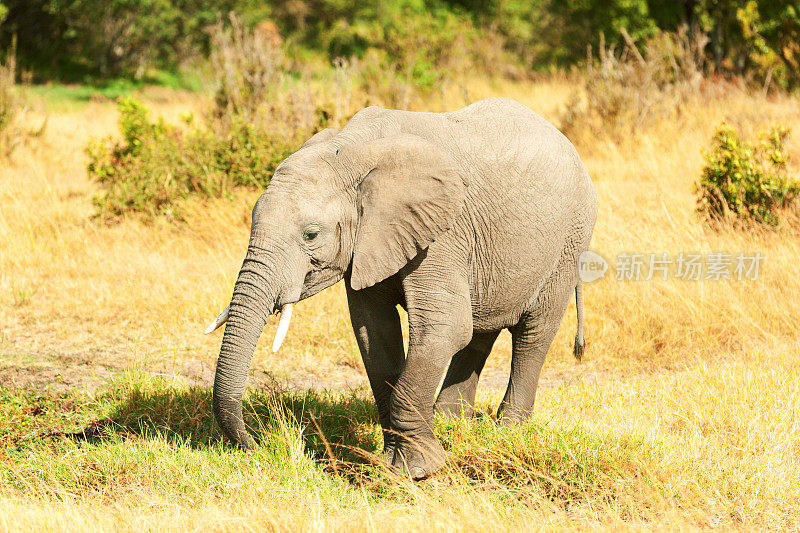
pixel 473 221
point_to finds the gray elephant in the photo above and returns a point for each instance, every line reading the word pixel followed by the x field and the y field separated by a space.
pixel 473 221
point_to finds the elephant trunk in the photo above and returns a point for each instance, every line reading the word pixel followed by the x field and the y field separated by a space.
pixel 250 307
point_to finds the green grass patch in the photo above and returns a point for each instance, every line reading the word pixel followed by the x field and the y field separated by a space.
pixel 59 94
pixel 147 435
pixel 26 415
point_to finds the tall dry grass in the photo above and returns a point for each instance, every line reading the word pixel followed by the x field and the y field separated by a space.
pixel 9 103
pixel 685 404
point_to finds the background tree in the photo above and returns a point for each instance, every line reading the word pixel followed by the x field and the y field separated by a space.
pixel 75 39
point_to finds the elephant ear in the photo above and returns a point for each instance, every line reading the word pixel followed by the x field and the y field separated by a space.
pixel 411 193
pixel 320 136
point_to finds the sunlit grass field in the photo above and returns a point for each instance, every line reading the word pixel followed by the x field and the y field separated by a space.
pixel 684 412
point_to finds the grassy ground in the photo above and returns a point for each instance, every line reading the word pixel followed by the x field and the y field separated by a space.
pixel 683 414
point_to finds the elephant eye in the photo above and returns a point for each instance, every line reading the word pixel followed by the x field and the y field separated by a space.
pixel 310 235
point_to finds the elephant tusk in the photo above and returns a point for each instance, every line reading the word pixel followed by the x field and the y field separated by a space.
pixel 217 322
pixel 283 326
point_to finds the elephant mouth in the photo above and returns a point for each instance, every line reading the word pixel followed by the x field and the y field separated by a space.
pixel 280 332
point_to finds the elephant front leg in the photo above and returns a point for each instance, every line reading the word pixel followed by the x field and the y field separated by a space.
pixel 438 329
pixel 376 324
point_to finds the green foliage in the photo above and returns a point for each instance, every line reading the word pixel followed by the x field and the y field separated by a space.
pixel 416 53
pixel 757 39
pixel 574 24
pixel 779 28
pixel 75 40
pixel 135 124
pixel 156 166
pixel 747 182
pixel 537 33
pixel 419 41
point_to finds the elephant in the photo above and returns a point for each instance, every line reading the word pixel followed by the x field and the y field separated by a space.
pixel 472 220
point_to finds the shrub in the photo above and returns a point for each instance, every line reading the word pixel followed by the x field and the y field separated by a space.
pixel 744 182
pixel 259 117
pixel 156 166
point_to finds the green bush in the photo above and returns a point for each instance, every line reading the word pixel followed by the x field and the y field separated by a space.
pixel 745 182
pixel 259 117
pixel 156 166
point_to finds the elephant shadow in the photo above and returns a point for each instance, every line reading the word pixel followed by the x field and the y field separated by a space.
pixel 337 428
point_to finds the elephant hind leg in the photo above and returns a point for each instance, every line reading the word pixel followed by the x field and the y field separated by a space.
pixel 531 340
pixel 457 397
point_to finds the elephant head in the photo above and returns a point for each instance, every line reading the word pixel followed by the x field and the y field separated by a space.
pixel 339 206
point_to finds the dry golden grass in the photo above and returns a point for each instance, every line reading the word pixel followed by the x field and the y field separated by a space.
pixel 696 382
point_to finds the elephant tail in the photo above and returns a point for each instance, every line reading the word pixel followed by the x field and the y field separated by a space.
pixel 579 342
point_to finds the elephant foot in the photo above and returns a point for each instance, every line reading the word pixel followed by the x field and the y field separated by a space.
pixel 453 410
pixel 417 458
pixel 508 415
